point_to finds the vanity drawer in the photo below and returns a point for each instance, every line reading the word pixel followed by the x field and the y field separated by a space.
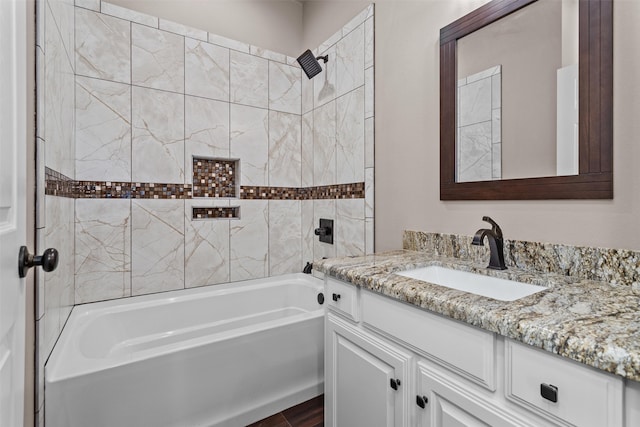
pixel 342 298
pixel 464 349
pixel 585 397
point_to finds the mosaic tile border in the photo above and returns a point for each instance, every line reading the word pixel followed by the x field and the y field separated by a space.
pixel 63 186
pixel 232 212
pixel 615 266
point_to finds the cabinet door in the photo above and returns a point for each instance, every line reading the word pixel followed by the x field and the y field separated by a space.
pixel 448 402
pixel 366 379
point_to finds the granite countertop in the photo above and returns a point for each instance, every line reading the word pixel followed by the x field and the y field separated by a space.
pixel 595 323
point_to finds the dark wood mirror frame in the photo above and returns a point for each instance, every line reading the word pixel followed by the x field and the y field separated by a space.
pixel 595 179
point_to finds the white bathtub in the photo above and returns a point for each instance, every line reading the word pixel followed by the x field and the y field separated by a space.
pixel 225 355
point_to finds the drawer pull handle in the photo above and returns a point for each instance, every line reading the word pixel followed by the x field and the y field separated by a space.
pixel 549 392
pixel 335 297
pixel 395 383
pixel 422 401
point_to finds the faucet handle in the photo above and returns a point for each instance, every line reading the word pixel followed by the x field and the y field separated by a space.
pixel 495 227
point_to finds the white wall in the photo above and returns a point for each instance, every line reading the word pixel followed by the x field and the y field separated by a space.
pixel 270 24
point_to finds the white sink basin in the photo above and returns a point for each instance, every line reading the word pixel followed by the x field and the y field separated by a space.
pixel 487 286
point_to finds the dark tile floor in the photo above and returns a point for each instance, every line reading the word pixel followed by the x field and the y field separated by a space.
pixel 306 414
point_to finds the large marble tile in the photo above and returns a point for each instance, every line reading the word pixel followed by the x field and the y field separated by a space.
pixel 128 14
pixel 350 61
pixel 89 4
pixel 350 227
pixel 206 70
pixel 229 43
pixel 157 59
pixel 157 136
pixel 474 102
pixel 41 11
pixel 103 46
pixel 285 236
pixel 182 30
pixel 157 246
pixel 41 245
pixel 63 18
pixel 350 137
pixel 250 143
pixel 324 209
pixel 285 88
pixel 249 80
pixel 324 84
pixel 307 229
pixel 249 239
pixel 474 153
pixel 369 143
pixel 324 144
pixel 369 192
pixel 369 43
pixel 59 103
pixel 307 149
pixel 206 251
pixel 103 130
pixel 41 62
pixel 41 215
pixel 267 54
pixel 206 131
pixel 102 249
pixel 58 284
pixel 307 93
pixel 284 149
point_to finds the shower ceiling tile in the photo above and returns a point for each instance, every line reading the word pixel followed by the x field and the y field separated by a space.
pixel 249 240
pixel 324 144
pixel 157 246
pixel 206 70
pixel 250 143
pixel 350 61
pixel 285 234
pixel 350 227
pixel 350 137
pixel 249 80
pixel 285 88
pixel 206 131
pixel 103 249
pixel 206 257
pixel 284 150
pixel 103 130
pixel 158 136
pixel 157 59
pixel 103 46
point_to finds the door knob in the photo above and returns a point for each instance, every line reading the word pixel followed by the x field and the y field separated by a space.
pixel 48 260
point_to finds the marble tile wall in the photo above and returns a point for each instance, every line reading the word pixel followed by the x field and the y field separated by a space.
pixel 338 138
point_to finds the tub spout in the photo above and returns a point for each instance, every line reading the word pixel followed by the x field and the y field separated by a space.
pixel 307 268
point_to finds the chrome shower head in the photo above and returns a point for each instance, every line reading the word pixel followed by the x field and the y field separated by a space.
pixel 310 64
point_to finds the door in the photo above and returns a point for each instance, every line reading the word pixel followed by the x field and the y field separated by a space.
pixel 366 379
pixel 13 232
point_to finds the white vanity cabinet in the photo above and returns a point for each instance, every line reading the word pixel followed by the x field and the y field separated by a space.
pixel 388 363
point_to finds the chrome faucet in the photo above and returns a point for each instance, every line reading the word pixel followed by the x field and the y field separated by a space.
pixel 496 243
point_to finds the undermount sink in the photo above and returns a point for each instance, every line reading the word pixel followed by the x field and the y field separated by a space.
pixel 487 286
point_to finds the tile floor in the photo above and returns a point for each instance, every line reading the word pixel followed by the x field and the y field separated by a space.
pixel 306 414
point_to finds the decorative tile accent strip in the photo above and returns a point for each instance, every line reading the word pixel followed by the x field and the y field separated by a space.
pixel 338 191
pixel 57 184
pixel 62 186
pixel 214 177
pixel 232 212
pixel 615 266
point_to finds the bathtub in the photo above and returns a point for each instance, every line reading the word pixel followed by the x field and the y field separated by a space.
pixel 224 355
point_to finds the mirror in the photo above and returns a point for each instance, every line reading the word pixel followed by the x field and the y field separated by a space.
pixel 509 124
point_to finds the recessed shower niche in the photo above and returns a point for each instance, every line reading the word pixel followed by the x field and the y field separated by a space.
pixel 216 177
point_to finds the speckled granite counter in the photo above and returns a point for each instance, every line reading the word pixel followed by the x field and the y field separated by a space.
pixel 595 323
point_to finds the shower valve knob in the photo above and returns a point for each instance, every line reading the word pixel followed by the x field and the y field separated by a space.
pixel 48 260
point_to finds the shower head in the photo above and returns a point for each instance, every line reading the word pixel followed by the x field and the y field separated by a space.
pixel 310 64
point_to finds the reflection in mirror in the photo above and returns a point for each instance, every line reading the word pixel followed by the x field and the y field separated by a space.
pixel 479 147
pixel 537 125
